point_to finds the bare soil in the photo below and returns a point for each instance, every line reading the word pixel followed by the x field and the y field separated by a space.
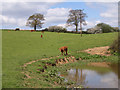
pixel 99 64
pixel 103 51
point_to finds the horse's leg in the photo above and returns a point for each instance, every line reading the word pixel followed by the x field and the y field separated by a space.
pixel 62 52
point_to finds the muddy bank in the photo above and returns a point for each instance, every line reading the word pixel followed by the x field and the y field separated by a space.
pixel 100 64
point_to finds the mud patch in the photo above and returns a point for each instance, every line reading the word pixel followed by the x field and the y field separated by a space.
pixel 103 51
pixel 100 64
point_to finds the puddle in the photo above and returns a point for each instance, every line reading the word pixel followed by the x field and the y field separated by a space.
pixel 93 77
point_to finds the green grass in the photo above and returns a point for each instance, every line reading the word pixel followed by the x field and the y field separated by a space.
pixel 19 47
pixel 44 79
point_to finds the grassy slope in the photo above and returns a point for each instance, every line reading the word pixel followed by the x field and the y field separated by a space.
pixel 21 47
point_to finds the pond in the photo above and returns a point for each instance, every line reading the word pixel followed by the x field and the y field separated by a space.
pixel 93 76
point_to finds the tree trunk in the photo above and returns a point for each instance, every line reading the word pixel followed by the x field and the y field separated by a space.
pixel 76 28
pixel 76 24
pixel 35 27
pixel 81 29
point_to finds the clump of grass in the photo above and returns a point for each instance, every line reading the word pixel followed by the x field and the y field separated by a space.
pixel 40 69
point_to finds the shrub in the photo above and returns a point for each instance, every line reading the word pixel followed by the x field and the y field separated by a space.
pixel 17 29
pixel 115 47
pixel 105 27
pixel 116 29
pixel 57 29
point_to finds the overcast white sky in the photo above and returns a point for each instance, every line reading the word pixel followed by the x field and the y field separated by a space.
pixel 15 13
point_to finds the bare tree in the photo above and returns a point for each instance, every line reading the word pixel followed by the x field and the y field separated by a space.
pixel 76 17
pixel 35 21
pixel 73 18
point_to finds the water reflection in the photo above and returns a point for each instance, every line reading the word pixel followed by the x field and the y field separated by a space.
pixel 94 77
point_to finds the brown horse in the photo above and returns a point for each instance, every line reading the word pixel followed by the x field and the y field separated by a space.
pixel 63 50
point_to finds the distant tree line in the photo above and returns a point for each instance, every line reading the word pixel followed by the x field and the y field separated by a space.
pixel 60 29
pixel 99 28
pixel 76 17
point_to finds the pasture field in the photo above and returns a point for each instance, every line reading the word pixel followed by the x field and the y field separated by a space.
pixel 20 47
